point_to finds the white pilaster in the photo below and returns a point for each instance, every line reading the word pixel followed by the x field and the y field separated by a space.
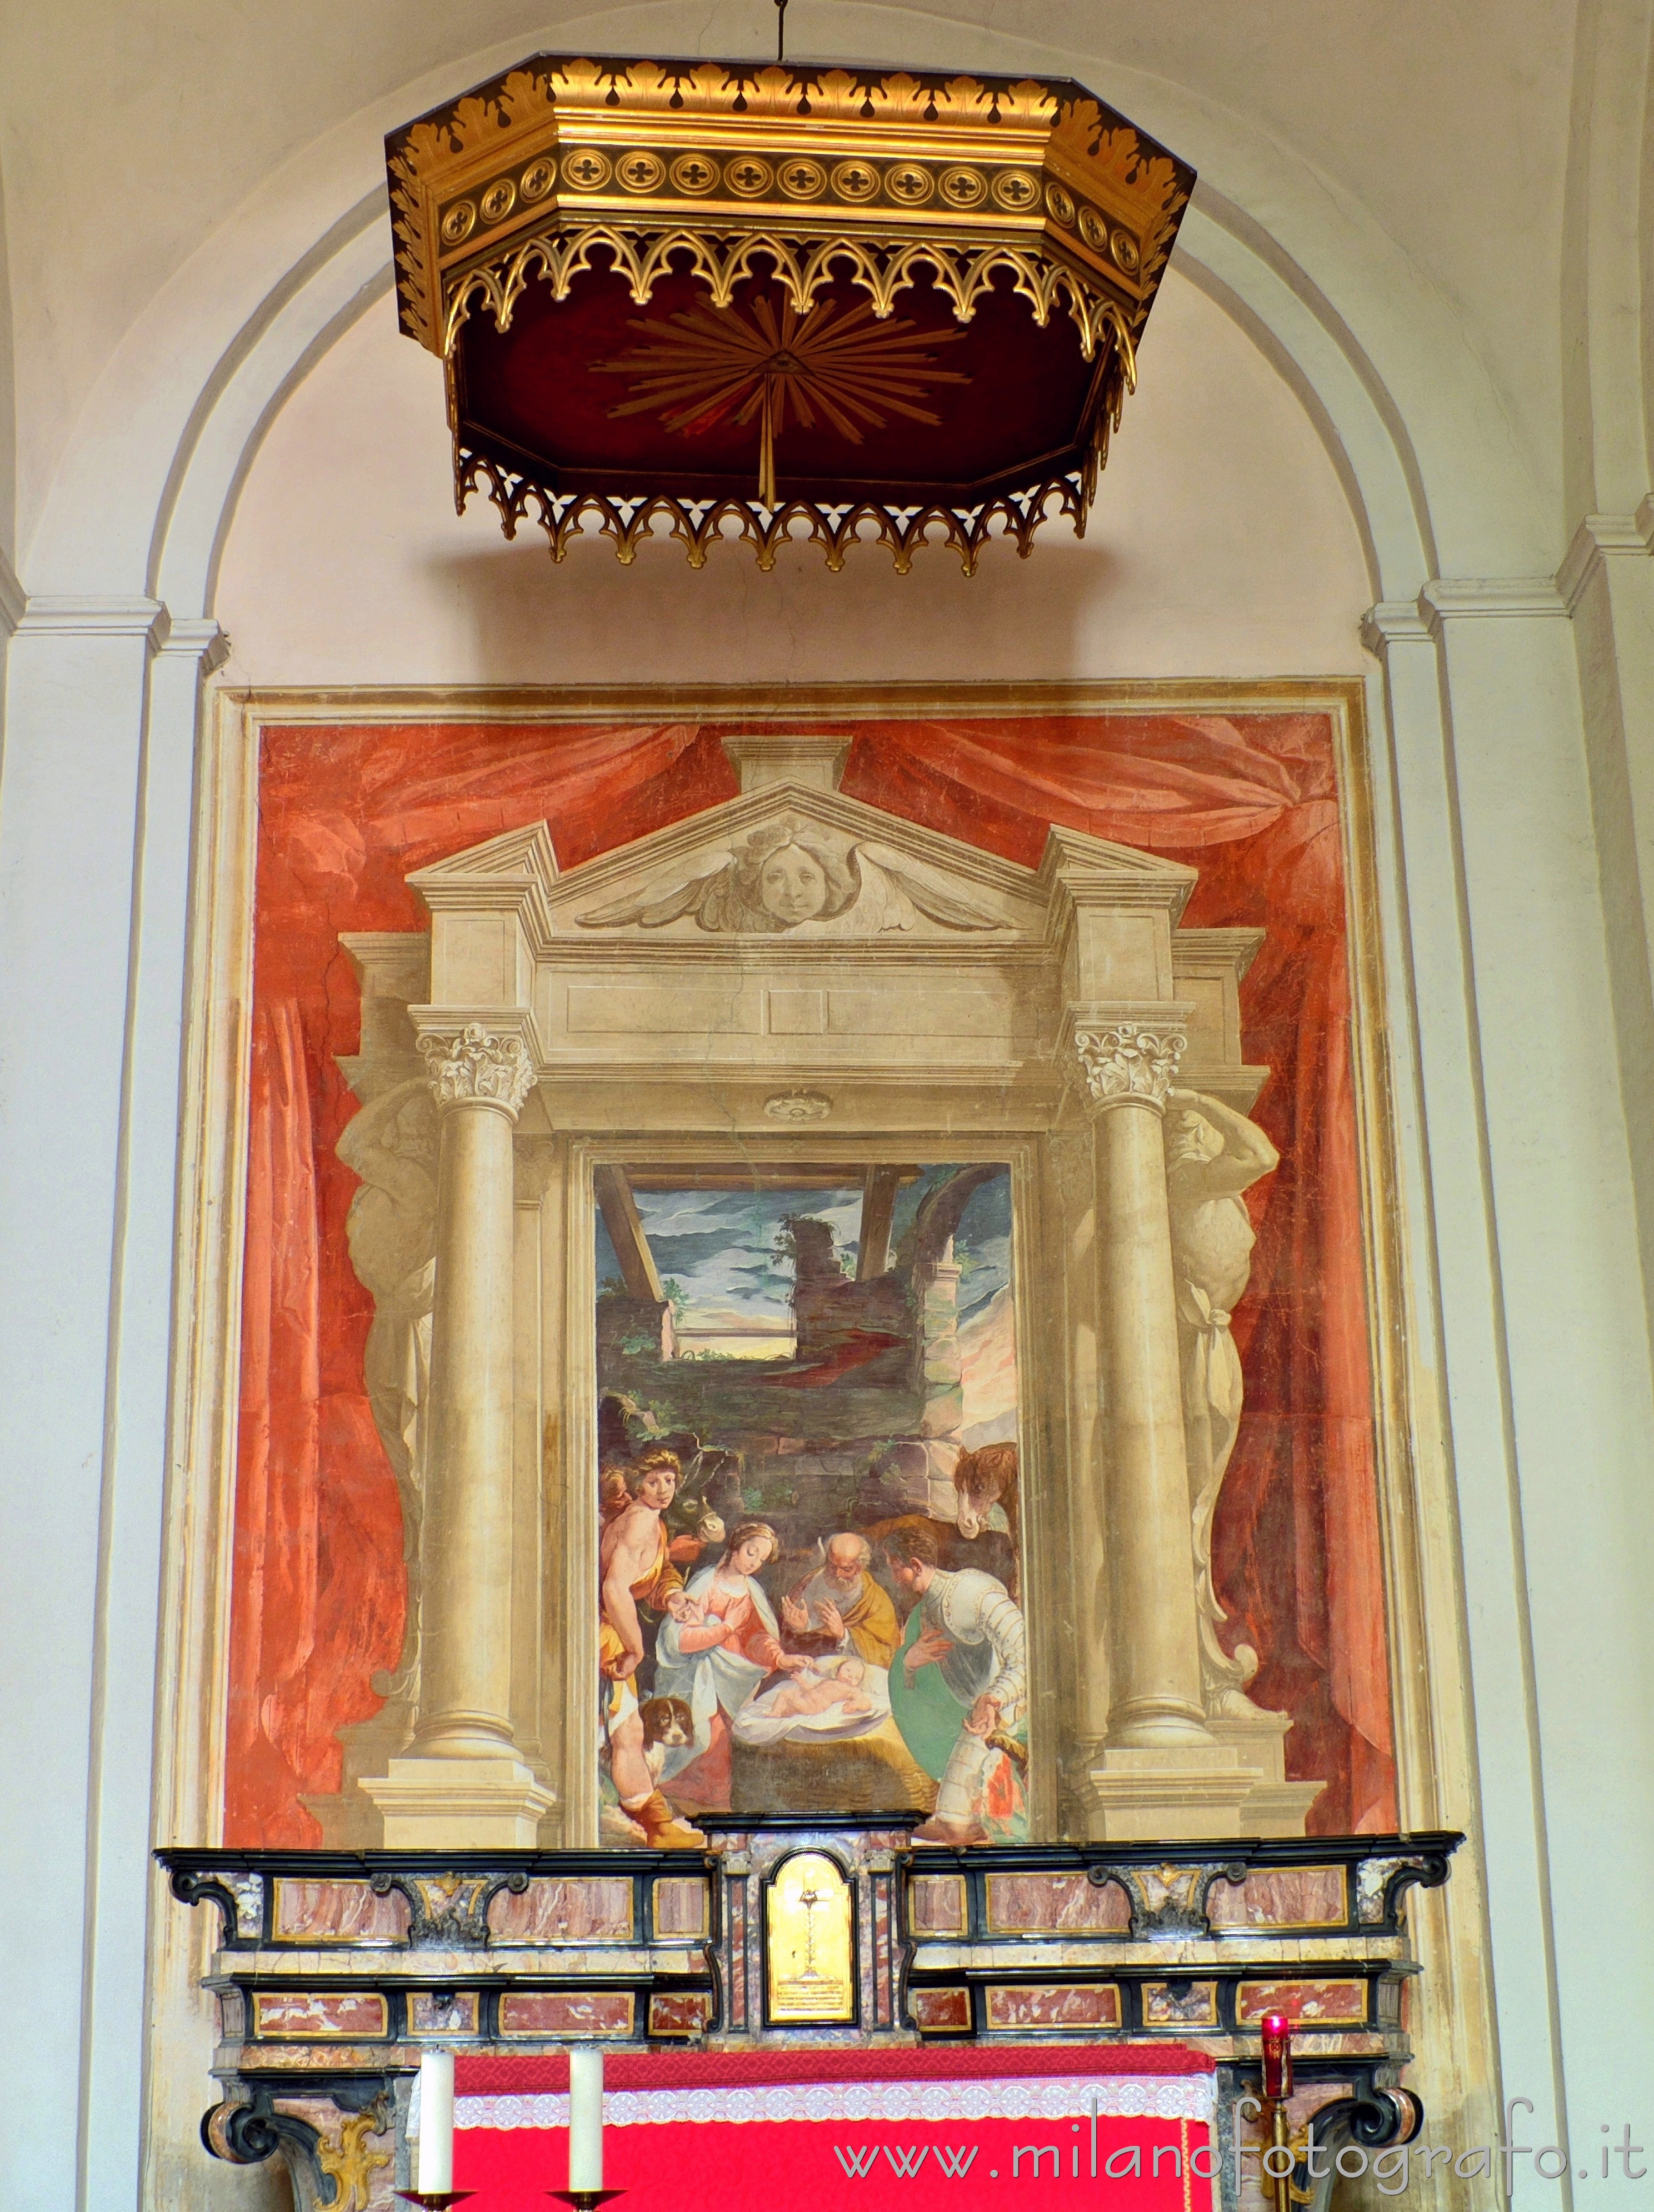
pixel 1544 1329
pixel 72 822
pixel 138 1467
pixel 1607 583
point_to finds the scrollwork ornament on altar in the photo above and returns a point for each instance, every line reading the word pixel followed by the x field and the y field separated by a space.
pixel 475 1066
pixel 1129 1060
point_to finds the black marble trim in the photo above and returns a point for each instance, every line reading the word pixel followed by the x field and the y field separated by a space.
pixel 1223 1860
pixel 200 1875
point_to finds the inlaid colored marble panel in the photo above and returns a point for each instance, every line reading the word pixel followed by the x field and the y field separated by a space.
pixel 445 2011
pixel 581 1909
pixel 941 2012
pixel 1063 2004
pixel 338 1912
pixel 1055 1904
pixel 680 1906
pixel 678 2012
pixel 1312 2004
pixel 566 2012
pixel 1284 1897
pixel 936 1904
pixel 1192 2005
pixel 310 2018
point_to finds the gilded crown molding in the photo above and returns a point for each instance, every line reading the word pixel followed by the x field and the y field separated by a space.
pixel 14 600
pixel 50 614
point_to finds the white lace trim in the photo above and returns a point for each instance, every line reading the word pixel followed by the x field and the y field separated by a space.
pixel 1049 2097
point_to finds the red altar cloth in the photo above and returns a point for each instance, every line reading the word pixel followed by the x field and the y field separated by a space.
pixel 1111 2129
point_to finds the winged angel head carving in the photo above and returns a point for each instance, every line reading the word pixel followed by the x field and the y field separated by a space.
pixel 793 875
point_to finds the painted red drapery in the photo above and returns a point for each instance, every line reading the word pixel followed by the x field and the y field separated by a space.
pixel 347 813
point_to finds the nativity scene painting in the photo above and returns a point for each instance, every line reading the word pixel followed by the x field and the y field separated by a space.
pixel 808 1476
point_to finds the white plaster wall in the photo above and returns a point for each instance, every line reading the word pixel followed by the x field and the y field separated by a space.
pixel 1220 545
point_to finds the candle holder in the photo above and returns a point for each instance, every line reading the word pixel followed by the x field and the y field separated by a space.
pixel 1277 2038
pixel 583 2200
pixel 435 2200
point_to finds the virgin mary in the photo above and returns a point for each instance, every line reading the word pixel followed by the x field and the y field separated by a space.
pixel 715 1658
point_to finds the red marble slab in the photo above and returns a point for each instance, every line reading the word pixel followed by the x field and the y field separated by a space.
pixel 338 1912
pixel 1284 1897
pixel 1061 2004
pixel 566 2012
pixel 580 1909
pixel 1055 1904
pixel 678 2012
pixel 936 1904
pixel 680 1906
pixel 309 2017
pixel 941 2012
pixel 1310 2004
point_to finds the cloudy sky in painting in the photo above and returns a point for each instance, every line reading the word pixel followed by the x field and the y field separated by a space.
pixel 719 1246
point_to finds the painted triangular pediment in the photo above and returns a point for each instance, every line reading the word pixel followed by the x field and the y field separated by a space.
pixel 794 861
pixel 516 856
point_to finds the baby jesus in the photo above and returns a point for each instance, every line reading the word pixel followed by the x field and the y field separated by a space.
pixel 811 1690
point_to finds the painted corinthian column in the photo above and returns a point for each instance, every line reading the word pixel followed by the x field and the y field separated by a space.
pixel 1154 1659
pixel 1158 1773
pixel 463 1781
pixel 480 1081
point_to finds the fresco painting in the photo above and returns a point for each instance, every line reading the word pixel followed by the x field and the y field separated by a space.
pixel 796 1436
pixel 775 1492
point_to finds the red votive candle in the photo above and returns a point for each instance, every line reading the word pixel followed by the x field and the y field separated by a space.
pixel 1277 2054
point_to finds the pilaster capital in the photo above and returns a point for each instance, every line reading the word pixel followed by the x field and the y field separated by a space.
pixel 1126 1054
pixel 1496 599
pixel 56 615
pixel 478 1062
pixel 1394 622
pixel 14 600
pixel 1602 537
pixel 200 639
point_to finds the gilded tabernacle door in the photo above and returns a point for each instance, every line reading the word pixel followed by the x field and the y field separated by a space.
pixel 803 1249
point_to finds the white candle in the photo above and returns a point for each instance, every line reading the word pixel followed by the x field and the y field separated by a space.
pixel 436 2123
pixel 586 2118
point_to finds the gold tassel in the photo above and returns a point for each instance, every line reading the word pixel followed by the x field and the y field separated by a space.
pixel 767 448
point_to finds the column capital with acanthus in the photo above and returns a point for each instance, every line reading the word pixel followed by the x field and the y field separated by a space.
pixel 1126 1053
pixel 480 1057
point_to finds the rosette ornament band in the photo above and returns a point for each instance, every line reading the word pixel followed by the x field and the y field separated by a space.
pixel 475 1066
pixel 1130 1060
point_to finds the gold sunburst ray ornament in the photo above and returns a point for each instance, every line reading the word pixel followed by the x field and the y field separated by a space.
pixel 710 364
pixel 803 249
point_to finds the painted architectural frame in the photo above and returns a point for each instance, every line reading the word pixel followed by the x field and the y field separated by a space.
pixel 1420 1600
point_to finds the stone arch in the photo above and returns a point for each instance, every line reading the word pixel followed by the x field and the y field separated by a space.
pixel 145 494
